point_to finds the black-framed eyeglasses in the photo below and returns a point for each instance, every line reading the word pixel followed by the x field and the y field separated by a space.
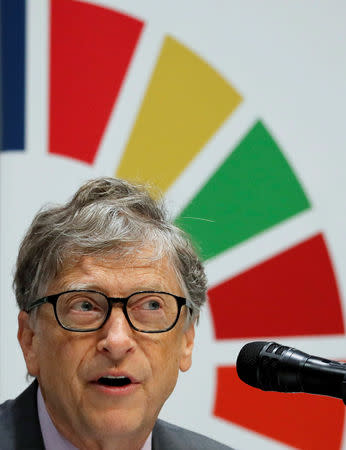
pixel 86 310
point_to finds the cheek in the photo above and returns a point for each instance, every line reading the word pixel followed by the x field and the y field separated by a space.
pixel 165 359
pixel 59 359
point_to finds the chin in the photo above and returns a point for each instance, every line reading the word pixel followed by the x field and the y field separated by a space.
pixel 117 423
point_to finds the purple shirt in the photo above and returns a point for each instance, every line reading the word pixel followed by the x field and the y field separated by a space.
pixel 52 439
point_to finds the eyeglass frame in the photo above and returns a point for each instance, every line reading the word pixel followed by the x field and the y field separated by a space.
pixel 53 299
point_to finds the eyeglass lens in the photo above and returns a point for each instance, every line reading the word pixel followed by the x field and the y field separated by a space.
pixel 88 310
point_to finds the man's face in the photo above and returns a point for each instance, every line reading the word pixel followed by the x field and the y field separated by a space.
pixel 68 365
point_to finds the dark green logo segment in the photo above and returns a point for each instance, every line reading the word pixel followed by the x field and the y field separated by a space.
pixel 253 190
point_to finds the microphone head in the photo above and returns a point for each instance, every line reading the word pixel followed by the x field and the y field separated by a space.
pixel 247 362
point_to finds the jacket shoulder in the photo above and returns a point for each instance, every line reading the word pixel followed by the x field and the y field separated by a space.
pixel 19 423
pixel 167 436
pixel 7 425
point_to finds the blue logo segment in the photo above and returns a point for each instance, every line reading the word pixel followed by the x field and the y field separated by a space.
pixel 12 74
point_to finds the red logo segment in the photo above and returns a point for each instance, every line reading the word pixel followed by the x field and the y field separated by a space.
pixel 300 420
pixel 294 293
pixel 91 48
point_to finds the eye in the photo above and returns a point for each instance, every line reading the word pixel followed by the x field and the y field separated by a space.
pixel 152 305
pixel 83 306
pixel 146 302
pixel 80 303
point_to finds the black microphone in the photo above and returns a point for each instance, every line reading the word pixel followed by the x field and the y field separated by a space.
pixel 273 367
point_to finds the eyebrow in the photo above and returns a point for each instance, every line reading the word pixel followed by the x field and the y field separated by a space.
pixel 94 287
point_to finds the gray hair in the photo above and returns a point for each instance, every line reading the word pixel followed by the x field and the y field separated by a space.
pixel 105 216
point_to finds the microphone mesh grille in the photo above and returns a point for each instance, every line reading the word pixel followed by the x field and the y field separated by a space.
pixel 247 362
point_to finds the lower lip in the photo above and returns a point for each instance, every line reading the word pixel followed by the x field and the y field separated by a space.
pixel 116 390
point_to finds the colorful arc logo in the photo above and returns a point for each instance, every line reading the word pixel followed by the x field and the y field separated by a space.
pixel 252 191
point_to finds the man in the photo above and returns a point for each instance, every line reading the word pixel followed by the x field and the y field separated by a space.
pixel 109 292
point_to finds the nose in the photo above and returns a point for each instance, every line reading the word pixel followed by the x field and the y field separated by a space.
pixel 117 337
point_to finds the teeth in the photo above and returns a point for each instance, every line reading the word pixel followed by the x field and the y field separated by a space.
pixel 111 377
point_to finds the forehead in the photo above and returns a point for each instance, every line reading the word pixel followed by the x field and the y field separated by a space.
pixel 119 276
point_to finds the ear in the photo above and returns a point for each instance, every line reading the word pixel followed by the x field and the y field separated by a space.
pixel 187 347
pixel 26 338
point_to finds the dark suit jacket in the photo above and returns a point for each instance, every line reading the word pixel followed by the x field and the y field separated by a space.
pixel 20 429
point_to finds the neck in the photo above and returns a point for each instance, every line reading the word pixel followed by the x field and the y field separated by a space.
pixel 54 430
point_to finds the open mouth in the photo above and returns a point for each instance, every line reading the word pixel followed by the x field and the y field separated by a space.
pixel 114 381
